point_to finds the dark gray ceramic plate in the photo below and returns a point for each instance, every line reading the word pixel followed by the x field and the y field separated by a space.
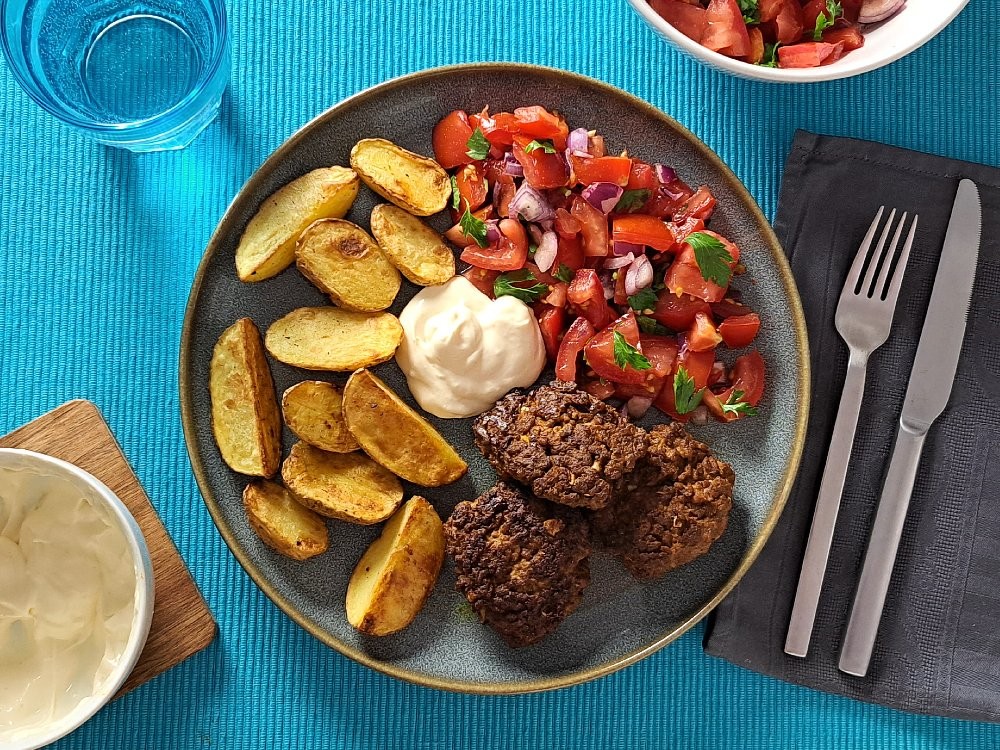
pixel 620 620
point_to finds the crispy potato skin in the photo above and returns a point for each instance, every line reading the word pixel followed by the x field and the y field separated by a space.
pixel 245 418
pixel 396 436
pixel 267 246
pixel 411 181
pixel 344 262
pixel 329 338
pixel 420 253
pixel 282 523
pixel 348 486
pixel 313 410
pixel 398 571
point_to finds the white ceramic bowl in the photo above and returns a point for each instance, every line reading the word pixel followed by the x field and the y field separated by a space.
pixel 97 492
pixel 918 22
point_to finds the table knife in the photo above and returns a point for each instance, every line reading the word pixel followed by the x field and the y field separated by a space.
pixel 927 395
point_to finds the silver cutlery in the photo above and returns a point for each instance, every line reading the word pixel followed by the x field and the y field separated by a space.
pixel 927 395
pixel 863 319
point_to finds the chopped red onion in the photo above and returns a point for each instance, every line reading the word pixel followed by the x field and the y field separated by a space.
pixel 700 414
pixel 664 173
pixel 618 261
pixel 536 233
pixel 608 282
pixel 627 248
pixel 492 231
pixel 547 225
pixel 512 166
pixel 718 375
pixel 873 11
pixel 603 196
pixel 637 406
pixel 639 275
pixel 545 256
pixel 530 205
pixel 580 154
pixel 578 140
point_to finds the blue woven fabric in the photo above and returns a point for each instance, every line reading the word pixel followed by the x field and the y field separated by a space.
pixel 99 248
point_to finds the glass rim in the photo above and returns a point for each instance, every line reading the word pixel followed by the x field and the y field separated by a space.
pixel 30 85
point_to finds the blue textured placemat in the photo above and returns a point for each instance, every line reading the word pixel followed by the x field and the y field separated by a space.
pixel 97 252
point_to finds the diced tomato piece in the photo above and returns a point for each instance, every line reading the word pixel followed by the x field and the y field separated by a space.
pixel 538 123
pixel 505 191
pixel 739 330
pixel 747 375
pixel 729 308
pixel 731 247
pixel 600 351
pixel 808 54
pixel 851 36
pixel 697 364
pixel 666 403
pixel 557 294
pixel 678 313
pixel 586 295
pixel 569 254
pixel 810 12
pixel 542 171
pixel 457 236
pixel 852 10
pixel 688 19
pixel 687 227
pixel 784 18
pixel 756 46
pixel 507 254
pixel 482 279
pixel 598 388
pixel 614 169
pixel 566 224
pixel 594 227
pixel 550 323
pixel 641 229
pixel 642 176
pixel 450 139
pixel 661 351
pixel 725 31
pixel 667 198
pixel 684 277
pixel 703 336
pixel 701 205
pixel 576 338
pixel 471 184
pixel 499 129
pixel 621 297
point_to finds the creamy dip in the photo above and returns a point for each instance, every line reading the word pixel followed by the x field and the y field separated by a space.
pixel 462 351
pixel 67 599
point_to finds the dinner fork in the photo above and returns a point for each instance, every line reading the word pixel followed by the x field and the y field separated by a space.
pixel 863 320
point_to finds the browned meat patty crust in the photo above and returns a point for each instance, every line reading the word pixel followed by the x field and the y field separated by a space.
pixel 671 509
pixel 563 443
pixel 521 562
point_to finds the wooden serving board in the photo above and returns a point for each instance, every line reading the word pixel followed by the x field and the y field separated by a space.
pixel 182 623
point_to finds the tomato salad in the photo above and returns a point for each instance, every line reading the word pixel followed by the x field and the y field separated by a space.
pixel 777 33
pixel 630 289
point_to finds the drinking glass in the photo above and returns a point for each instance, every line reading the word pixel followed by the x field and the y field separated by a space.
pixel 146 75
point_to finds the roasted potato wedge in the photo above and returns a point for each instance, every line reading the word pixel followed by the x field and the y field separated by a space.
pixel 396 436
pixel 282 522
pixel 411 181
pixel 314 411
pixel 348 486
pixel 267 246
pixel 419 252
pixel 343 261
pixel 329 338
pixel 397 572
pixel 245 418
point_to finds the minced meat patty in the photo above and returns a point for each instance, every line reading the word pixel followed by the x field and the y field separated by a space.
pixel 671 509
pixel 563 443
pixel 521 562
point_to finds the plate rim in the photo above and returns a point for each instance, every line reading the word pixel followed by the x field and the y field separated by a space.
pixel 223 229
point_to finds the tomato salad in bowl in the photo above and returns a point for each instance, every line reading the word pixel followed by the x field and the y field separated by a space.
pixel 630 288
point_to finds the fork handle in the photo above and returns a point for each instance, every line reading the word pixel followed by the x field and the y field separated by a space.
pixel 869 601
pixel 814 563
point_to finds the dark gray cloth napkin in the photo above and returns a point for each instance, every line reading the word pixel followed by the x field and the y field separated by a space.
pixel 938 649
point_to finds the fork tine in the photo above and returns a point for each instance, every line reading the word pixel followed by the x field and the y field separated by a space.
pixel 886 262
pixel 857 268
pixel 891 294
pixel 875 264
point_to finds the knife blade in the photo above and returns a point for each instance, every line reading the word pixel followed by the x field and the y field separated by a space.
pixel 941 339
pixel 927 395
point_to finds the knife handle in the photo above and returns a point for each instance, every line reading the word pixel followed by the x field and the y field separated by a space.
pixel 869 601
pixel 824 520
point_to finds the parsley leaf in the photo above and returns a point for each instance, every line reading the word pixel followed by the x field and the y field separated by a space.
pixel 564 273
pixel 474 228
pixel 505 286
pixel 770 59
pixel 456 197
pixel 827 18
pixel 648 325
pixel 712 257
pixel 545 146
pixel 686 398
pixel 751 13
pixel 644 299
pixel 631 201
pixel 734 405
pixel 478 146
pixel 626 354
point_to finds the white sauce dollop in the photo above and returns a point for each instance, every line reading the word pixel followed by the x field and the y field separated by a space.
pixel 462 351
pixel 67 600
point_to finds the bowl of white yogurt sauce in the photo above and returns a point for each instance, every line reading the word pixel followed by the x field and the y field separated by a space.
pixel 76 597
